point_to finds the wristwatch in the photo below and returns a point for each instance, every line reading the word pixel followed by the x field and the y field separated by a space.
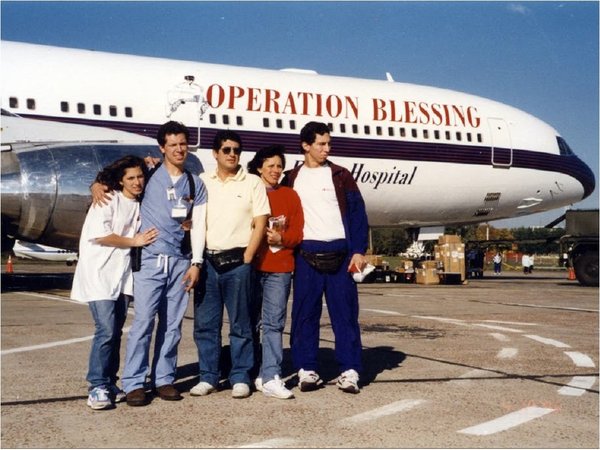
pixel 197 264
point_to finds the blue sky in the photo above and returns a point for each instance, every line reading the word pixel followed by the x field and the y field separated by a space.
pixel 541 57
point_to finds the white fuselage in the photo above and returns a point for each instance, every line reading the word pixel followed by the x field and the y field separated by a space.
pixel 421 156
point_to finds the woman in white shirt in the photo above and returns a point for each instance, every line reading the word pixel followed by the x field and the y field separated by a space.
pixel 103 277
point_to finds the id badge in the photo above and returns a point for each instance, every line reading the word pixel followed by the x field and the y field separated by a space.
pixel 179 212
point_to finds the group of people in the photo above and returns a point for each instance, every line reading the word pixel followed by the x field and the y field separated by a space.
pixel 239 238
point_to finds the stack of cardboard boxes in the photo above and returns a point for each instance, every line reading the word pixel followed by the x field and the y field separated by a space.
pixel 450 254
pixel 428 273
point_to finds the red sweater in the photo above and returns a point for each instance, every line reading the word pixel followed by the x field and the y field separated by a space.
pixel 283 201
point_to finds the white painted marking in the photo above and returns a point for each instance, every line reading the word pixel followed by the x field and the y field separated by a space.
pixel 507 352
pixel 581 359
pixel 469 376
pixel 387 410
pixel 500 337
pixel 442 319
pixel 52 344
pixel 577 386
pixel 508 421
pixel 511 323
pixel 544 340
pixel 383 311
pixel 499 328
pixel 551 307
pixel 273 443
pixel 52 297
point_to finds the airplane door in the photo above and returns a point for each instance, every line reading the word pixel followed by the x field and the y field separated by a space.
pixel 502 154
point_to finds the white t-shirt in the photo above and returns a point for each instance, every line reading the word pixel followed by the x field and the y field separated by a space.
pixel 104 272
pixel 322 216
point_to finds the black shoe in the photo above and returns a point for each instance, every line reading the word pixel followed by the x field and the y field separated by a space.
pixel 137 397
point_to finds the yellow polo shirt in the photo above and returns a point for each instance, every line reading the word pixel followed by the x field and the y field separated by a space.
pixel 231 206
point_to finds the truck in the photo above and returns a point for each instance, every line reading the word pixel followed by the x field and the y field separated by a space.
pixel 580 244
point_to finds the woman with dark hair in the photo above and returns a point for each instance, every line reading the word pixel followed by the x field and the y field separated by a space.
pixel 274 263
pixel 103 277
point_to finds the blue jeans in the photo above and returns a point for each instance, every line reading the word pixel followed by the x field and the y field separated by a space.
pixel 231 289
pixel 271 292
pixel 109 318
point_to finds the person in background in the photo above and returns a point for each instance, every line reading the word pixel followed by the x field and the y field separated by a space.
pixel 531 262
pixel 103 276
pixel 274 263
pixel 497 263
pixel 334 244
pixel 236 219
pixel 526 263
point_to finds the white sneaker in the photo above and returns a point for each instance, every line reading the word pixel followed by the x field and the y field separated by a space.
pixel 348 381
pixel 98 398
pixel 309 380
pixel 258 384
pixel 276 388
pixel 203 388
pixel 240 390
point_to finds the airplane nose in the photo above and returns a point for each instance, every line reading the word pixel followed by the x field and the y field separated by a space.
pixel 582 173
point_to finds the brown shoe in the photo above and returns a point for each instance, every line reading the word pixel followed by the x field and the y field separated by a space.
pixel 168 392
pixel 137 397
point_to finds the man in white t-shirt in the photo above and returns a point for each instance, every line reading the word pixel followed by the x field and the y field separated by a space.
pixel 335 241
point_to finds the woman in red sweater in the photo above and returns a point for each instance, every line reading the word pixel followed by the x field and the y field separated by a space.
pixel 274 263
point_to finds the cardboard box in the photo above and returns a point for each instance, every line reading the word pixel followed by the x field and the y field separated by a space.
pixel 375 260
pixel 427 276
pixel 452 258
pixel 449 239
pixel 429 264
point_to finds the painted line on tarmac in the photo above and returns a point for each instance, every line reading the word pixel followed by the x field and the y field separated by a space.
pixel 52 344
pixel 568 308
pixel 387 410
pixel 499 328
pixel 273 443
pixel 475 374
pixel 383 311
pixel 581 359
pixel 500 337
pixel 578 386
pixel 547 341
pixel 511 323
pixel 508 421
pixel 52 297
pixel 507 352
pixel 443 319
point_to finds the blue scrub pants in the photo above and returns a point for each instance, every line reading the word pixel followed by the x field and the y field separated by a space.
pixel 158 290
pixel 341 296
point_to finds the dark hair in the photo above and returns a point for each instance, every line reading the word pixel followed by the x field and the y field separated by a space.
pixel 171 127
pixel 263 154
pixel 309 132
pixel 112 174
pixel 226 135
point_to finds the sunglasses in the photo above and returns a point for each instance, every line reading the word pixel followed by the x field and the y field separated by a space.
pixel 227 150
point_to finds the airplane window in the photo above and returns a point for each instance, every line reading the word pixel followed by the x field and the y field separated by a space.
pixel 225 119
pixel 112 110
pixel 212 118
pixel 469 137
pixel 97 110
pixel 239 120
pixel 355 129
pixel 266 122
pixel 391 131
pixel 413 132
pixel 458 136
pixel 436 134
pixel 279 123
pixel 479 137
pixel 13 102
pixel 342 127
pixel 292 124
pixel 30 103
pixel 81 108
pixel 378 131
pixel 64 107
pixel 330 125
pixel 128 111
pixel 402 132
pixel 426 134
pixel 447 135
pixel 367 129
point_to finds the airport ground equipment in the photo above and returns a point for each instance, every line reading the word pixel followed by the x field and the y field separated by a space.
pixel 580 243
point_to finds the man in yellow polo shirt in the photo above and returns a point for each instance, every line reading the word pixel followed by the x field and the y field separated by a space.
pixel 236 217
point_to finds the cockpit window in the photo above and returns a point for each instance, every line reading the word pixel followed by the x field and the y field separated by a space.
pixel 564 148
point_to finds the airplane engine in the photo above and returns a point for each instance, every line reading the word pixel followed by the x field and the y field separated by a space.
pixel 45 188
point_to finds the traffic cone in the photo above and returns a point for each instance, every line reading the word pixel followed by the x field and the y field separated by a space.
pixel 571 276
pixel 9 265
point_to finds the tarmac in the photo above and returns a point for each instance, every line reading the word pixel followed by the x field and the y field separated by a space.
pixel 506 361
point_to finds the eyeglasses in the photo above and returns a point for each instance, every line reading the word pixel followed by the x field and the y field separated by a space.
pixel 227 150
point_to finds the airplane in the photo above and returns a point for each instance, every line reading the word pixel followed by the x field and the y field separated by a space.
pixel 423 157
pixel 30 250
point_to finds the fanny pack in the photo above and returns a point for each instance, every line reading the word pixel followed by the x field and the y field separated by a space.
pixel 326 262
pixel 227 259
